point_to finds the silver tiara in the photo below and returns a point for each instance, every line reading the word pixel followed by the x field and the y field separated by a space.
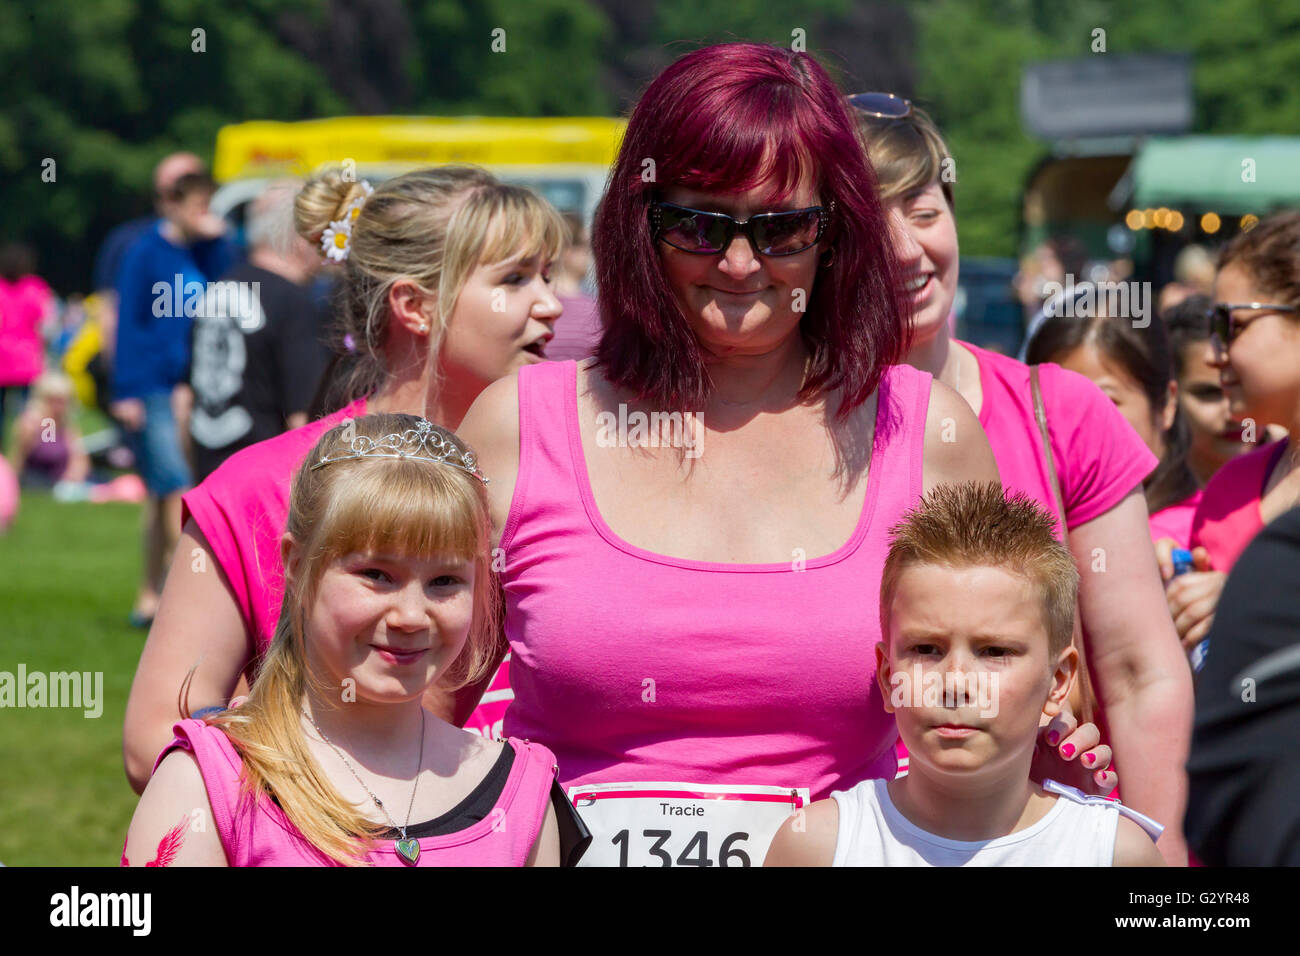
pixel 424 442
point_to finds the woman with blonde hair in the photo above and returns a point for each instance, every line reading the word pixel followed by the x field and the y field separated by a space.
pixel 388 589
pixel 445 289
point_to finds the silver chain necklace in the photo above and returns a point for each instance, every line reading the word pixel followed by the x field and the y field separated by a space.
pixel 408 850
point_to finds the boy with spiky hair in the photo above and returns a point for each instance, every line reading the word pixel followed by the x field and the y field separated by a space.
pixel 977 604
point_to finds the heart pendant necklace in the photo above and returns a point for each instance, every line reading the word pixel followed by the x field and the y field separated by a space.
pixel 408 850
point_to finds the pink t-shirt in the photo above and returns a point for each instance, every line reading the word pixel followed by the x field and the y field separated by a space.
pixel 1099 457
pixel 263 835
pixel 242 509
pixel 22 353
pixel 1228 516
pixel 636 667
pixel 1176 520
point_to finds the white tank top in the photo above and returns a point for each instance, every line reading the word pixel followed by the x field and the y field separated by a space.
pixel 873 833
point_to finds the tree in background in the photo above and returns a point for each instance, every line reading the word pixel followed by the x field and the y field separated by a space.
pixel 95 92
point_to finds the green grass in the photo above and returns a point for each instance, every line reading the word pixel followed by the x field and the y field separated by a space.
pixel 68 574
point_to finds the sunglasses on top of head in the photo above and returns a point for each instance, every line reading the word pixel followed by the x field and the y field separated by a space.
pixel 881 106
pixel 710 233
pixel 1225 328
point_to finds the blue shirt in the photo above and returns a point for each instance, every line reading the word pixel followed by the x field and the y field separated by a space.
pixel 159 287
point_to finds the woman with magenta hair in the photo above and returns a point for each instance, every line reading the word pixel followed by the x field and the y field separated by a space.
pixel 694 522
pixel 1092 474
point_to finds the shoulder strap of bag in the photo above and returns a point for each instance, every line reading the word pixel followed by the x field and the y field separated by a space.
pixel 1083 700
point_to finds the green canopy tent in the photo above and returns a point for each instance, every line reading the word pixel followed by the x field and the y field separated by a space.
pixel 1230 175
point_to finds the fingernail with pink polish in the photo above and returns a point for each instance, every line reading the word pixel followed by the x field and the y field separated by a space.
pixel 1053 736
pixel 1089 759
pixel 1067 751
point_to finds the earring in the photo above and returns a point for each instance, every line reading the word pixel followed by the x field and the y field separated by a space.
pixel 423 328
pixel 828 258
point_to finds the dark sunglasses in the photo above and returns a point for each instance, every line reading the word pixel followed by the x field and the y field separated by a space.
pixel 886 106
pixel 1225 328
pixel 710 233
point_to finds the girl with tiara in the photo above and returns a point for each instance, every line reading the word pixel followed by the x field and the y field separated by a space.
pixel 445 288
pixel 333 760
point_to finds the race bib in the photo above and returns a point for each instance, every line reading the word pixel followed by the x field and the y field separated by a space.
pixel 682 824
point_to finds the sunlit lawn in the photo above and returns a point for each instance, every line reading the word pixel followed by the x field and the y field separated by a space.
pixel 67 578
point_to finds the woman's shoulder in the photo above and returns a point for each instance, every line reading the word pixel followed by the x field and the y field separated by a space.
pixel 1243 475
pixel 250 471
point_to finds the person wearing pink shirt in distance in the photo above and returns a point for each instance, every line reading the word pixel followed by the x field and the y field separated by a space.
pixel 446 288
pixel 1255 345
pixel 1140 677
pixel 333 760
pixel 1133 367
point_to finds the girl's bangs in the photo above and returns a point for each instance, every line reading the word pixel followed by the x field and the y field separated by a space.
pixel 402 507
pixel 523 226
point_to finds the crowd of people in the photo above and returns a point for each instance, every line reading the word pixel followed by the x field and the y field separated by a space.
pixel 850 591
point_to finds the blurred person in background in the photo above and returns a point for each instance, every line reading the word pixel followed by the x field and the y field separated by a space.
pixel 1134 367
pixel 187 246
pixel 1193 275
pixel 577 333
pixel 257 354
pixel 1255 345
pixel 26 304
pixel 1216 436
pixel 108 259
pixel 48 447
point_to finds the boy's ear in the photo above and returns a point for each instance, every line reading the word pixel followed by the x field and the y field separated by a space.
pixel 884 673
pixel 1063 677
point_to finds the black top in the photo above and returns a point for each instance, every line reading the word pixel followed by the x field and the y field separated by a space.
pixel 469 811
pixel 257 357
pixel 1244 769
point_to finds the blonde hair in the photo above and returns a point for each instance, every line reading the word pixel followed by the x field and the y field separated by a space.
pixel 398 506
pixel 907 154
pixel 432 227
pixel 976 525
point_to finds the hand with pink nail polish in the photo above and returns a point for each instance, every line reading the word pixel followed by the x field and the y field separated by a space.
pixel 1074 755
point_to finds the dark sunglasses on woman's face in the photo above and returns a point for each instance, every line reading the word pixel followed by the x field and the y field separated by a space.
pixel 1225 328
pixel 710 233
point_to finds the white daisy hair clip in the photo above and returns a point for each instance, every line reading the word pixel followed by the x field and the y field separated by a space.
pixel 336 240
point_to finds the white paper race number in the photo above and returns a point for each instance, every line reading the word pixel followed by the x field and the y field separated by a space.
pixel 682 824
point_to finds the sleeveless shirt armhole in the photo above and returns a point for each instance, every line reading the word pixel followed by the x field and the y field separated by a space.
pixel 924 382
pixel 848 801
pixel 527 410
pixel 200 741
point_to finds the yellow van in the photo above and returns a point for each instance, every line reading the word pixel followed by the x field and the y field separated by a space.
pixel 565 159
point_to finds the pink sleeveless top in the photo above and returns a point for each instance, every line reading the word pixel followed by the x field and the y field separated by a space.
pixel 264 836
pixel 634 666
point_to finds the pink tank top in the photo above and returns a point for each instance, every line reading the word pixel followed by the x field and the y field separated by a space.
pixel 264 836
pixel 635 666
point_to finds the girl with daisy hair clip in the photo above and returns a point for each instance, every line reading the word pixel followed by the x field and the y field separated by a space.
pixel 332 760
pixel 443 287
